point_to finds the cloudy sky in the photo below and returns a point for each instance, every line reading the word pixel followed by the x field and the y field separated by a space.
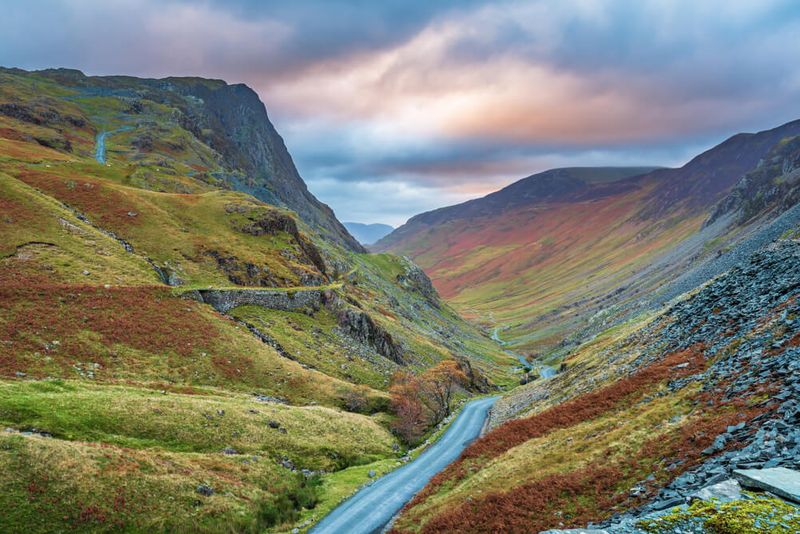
pixel 394 107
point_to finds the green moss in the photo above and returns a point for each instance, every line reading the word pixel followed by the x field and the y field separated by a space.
pixel 755 514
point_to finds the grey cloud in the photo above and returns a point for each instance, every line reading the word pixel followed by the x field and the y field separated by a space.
pixel 702 70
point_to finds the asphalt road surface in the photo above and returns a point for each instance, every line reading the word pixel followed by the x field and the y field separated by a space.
pixel 100 148
pixel 373 507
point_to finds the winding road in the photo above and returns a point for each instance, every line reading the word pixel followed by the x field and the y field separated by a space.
pixel 545 371
pixel 370 509
pixel 100 147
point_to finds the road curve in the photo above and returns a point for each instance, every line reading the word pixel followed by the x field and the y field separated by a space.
pixel 373 506
pixel 100 149
pixel 100 146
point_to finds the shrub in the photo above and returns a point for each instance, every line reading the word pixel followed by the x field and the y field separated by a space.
pixel 285 507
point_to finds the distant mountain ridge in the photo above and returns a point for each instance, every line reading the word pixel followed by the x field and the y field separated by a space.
pixel 552 251
pixel 367 234
pixel 547 186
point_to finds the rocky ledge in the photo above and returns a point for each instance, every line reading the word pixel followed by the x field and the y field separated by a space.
pixel 353 322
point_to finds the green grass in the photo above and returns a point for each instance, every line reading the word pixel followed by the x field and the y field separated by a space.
pixel 198 237
pixel 38 236
pixel 338 486
pixel 53 485
pixel 323 346
pixel 142 388
pixel 313 437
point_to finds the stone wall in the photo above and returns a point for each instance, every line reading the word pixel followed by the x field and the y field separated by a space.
pixel 224 300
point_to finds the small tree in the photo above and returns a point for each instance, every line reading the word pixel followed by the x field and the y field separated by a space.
pixel 439 383
pixel 411 415
pixel 420 402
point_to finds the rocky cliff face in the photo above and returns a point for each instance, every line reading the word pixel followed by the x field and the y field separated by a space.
pixel 233 121
pixel 248 141
pixel 710 176
pixel 774 185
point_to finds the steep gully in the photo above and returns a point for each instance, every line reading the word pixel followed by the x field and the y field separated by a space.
pixel 374 506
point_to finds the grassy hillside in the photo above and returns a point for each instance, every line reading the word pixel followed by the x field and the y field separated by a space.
pixel 568 251
pixel 648 411
pixel 539 271
pixel 131 404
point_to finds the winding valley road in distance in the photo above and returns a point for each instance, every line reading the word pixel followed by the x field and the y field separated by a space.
pixel 373 506
pixel 100 148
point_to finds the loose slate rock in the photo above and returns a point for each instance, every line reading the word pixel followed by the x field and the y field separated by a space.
pixel 726 491
pixel 575 531
pixel 781 481
pixel 205 490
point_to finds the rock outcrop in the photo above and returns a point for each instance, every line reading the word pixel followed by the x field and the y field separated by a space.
pixel 355 323
pixel 248 141
pixel 360 326
pixel 784 483
pixel 415 279
pixel 231 119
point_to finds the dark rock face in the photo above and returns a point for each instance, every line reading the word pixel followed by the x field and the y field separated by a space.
pixel 271 222
pixel 224 300
pixel 476 381
pixel 231 119
pixel 773 185
pixel 708 177
pixel 248 141
pixel 205 491
pixel 353 322
pixel 361 327
pixel 415 279
pixel 42 115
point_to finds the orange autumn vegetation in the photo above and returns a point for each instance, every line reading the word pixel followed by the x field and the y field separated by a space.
pixel 106 206
pixel 420 402
pixel 577 497
pixel 583 408
pixel 594 493
pixel 51 318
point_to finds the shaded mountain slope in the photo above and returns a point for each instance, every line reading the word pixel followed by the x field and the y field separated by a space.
pixel 225 125
pixel 368 234
pixel 705 179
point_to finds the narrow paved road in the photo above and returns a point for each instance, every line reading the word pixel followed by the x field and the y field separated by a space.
pixel 545 371
pixel 373 507
pixel 100 147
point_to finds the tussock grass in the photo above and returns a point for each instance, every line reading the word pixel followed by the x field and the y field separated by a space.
pixel 313 437
pixel 50 484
